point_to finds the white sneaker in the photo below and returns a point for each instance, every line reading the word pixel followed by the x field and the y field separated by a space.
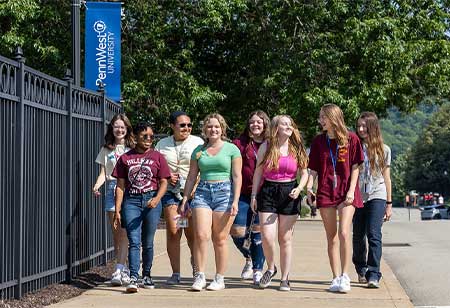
pixel 257 277
pixel 247 271
pixel 132 286
pixel 199 282
pixel 116 278
pixel 344 285
pixel 125 276
pixel 335 283
pixel 217 284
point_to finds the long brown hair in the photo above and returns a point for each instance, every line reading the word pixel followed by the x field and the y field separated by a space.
pixel 295 147
pixel 336 117
pixel 110 140
pixel 266 123
pixel 374 141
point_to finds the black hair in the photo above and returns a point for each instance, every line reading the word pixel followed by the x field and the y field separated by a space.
pixel 174 115
pixel 140 127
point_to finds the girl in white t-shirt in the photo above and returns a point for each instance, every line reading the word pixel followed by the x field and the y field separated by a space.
pixel 118 140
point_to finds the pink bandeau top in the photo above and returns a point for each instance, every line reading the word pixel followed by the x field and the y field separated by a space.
pixel 287 170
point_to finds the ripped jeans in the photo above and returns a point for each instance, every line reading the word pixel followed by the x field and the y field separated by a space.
pixel 243 219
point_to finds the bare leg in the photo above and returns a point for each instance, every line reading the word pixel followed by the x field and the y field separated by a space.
pixel 345 241
pixel 173 236
pixel 329 222
pixel 221 225
pixel 120 241
pixel 268 225
pixel 285 233
pixel 202 233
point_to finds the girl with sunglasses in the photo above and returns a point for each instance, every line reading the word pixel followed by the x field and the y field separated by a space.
pixel 142 175
pixel 177 150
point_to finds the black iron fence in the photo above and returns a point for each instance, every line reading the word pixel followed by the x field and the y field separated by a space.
pixel 51 226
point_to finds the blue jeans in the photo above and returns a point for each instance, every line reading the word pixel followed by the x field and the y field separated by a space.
pixel 243 219
pixel 367 223
pixel 140 221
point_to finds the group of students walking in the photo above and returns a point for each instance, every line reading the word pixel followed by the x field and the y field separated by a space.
pixel 248 188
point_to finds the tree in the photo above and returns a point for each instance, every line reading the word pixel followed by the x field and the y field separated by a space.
pixel 428 165
pixel 284 57
pixel 234 56
pixel 42 29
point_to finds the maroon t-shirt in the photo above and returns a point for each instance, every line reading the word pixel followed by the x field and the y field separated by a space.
pixel 249 151
pixel 141 180
pixel 321 162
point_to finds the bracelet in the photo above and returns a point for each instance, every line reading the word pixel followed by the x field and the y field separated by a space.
pixel 253 196
pixel 388 202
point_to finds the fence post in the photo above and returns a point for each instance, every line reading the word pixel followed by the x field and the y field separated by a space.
pixel 20 116
pixel 101 89
pixel 69 176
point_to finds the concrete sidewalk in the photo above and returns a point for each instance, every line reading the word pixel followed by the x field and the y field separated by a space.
pixel 310 276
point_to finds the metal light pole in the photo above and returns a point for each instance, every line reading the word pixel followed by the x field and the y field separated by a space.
pixel 76 6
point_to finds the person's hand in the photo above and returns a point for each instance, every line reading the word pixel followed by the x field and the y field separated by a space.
pixel 349 198
pixel 253 204
pixel 294 193
pixel 234 209
pixel 310 197
pixel 388 212
pixel 96 192
pixel 182 207
pixel 174 178
pixel 152 203
pixel 117 220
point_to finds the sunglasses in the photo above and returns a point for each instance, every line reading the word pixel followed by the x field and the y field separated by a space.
pixel 147 137
pixel 185 124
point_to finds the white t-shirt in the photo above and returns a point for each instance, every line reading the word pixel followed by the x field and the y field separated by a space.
pixel 108 158
pixel 178 155
pixel 371 184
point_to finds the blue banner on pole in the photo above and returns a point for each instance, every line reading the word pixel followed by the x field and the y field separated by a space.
pixel 102 45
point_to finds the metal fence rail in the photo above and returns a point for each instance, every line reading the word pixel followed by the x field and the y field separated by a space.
pixel 51 227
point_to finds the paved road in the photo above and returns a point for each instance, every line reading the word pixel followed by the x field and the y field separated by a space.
pixel 423 268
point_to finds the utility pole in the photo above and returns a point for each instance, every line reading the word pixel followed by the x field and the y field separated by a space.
pixel 76 6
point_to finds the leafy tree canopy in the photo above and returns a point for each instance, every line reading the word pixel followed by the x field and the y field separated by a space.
pixel 428 164
pixel 235 56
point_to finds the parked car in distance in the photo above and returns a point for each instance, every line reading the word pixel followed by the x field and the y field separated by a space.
pixel 435 211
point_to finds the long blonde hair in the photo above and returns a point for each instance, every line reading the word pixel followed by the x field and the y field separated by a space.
pixel 295 147
pixel 374 141
pixel 336 117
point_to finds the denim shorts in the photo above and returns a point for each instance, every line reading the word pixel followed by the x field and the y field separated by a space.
pixel 217 196
pixel 169 198
pixel 110 200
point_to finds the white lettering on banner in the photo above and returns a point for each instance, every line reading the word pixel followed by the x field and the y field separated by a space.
pixel 105 52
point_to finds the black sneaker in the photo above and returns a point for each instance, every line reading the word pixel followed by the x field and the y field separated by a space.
pixel 132 287
pixel 147 283
pixel 267 278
